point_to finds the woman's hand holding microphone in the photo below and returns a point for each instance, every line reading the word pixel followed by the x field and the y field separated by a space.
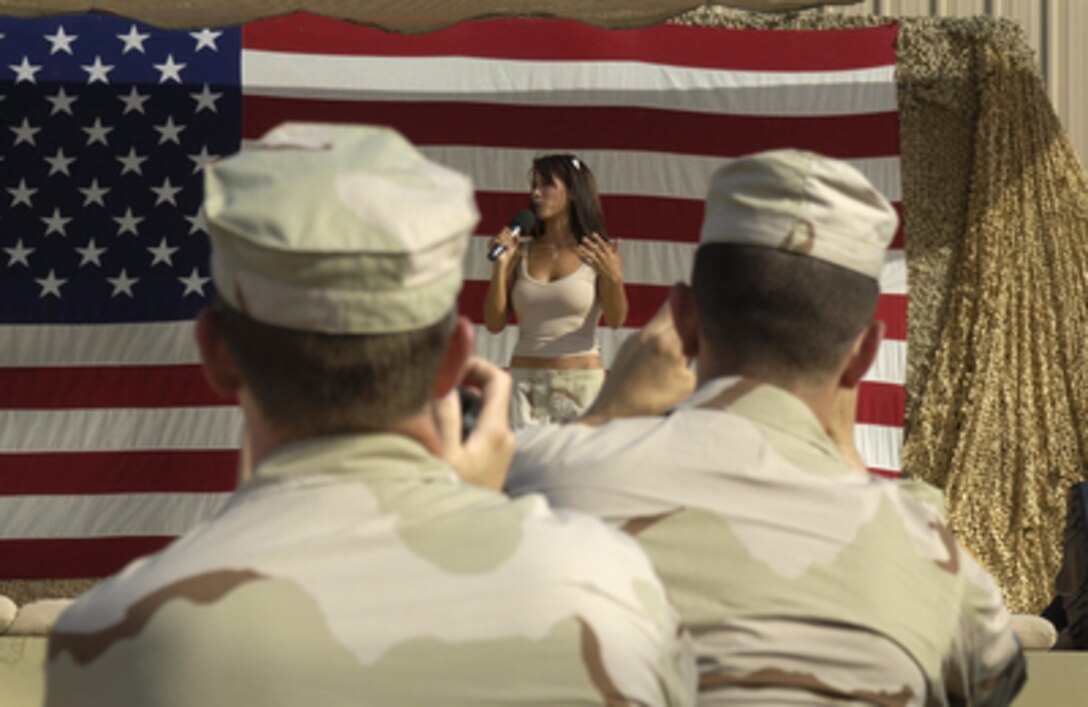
pixel 502 247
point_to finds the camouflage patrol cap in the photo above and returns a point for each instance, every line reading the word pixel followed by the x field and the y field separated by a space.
pixel 801 202
pixel 341 229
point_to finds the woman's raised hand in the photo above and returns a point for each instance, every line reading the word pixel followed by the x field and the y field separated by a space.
pixel 601 255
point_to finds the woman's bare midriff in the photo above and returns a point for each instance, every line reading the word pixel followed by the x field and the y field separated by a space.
pixel 581 361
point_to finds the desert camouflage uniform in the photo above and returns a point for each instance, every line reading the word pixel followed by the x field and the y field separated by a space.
pixel 803 581
pixel 357 569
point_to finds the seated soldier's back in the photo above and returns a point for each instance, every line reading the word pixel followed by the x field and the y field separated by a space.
pixel 798 576
pixel 359 570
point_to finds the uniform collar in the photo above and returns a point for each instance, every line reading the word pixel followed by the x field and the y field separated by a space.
pixel 770 408
pixel 377 455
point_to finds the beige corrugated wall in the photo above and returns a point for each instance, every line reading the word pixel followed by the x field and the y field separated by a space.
pixel 1055 29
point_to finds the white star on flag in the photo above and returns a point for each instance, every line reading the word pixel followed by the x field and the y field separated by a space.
pixel 59 163
pixel 50 285
pixel 122 284
pixel 19 254
pixel 194 283
pixel 61 42
pixel 202 159
pixel 166 193
pixel 206 38
pixel 62 102
pixel 162 253
pixel 98 71
pixel 131 162
pixel 21 194
pixel 91 254
pixel 92 194
pixel 134 40
pixel 25 71
pixel 197 222
pixel 128 222
pixel 134 101
pixel 169 132
pixel 56 223
pixel 25 133
pixel 97 133
pixel 206 99
pixel 169 70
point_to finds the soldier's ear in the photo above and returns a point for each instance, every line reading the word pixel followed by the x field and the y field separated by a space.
pixel 218 363
pixel 451 369
pixel 862 354
pixel 685 318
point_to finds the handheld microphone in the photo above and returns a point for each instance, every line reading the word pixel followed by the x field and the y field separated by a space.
pixel 522 223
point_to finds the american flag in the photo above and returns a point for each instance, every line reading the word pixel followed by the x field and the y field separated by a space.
pixel 110 442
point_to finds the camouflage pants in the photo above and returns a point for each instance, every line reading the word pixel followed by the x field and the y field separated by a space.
pixel 543 395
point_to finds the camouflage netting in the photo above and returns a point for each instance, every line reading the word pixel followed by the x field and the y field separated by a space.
pixel 996 218
pixel 1000 419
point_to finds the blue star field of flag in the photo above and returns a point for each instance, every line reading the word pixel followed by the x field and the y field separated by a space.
pixel 105 127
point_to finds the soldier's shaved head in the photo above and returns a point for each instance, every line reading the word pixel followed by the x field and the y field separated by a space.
pixel 776 315
pixel 335 382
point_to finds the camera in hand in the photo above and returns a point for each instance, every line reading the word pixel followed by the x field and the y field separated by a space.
pixel 471 402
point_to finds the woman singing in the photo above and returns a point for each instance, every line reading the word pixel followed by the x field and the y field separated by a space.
pixel 559 284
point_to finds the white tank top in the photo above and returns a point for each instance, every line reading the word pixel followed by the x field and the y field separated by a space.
pixel 557 318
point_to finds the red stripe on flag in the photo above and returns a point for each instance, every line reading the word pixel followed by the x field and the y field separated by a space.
pixel 645 300
pixel 881 404
pixel 886 473
pixel 73 558
pixel 628 217
pixel 892 310
pixel 106 387
pixel 596 128
pixel 567 40
pixel 72 473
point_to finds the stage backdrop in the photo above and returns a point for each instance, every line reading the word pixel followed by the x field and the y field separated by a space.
pixel 111 443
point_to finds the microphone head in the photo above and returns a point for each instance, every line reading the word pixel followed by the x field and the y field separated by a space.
pixel 524 221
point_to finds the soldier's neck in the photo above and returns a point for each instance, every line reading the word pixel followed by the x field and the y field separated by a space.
pixel 260 438
pixel 817 394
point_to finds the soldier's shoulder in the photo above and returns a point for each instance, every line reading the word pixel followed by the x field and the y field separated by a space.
pixel 562 547
pixel 921 492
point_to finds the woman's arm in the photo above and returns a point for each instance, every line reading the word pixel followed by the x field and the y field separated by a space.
pixel 497 302
pixel 604 257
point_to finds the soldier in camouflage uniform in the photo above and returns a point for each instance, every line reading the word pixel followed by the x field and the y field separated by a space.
pixel 355 567
pixel 802 579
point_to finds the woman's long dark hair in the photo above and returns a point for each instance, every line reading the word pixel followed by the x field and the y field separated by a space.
pixel 586 215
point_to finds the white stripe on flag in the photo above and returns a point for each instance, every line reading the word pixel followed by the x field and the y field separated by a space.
pixel 627 172
pixel 107 430
pixel 98 344
pixel 106 515
pixel 172 343
pixel 32 345
pixel 890 365
pixel 880 446
pixel 662 263
pixel 570 83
